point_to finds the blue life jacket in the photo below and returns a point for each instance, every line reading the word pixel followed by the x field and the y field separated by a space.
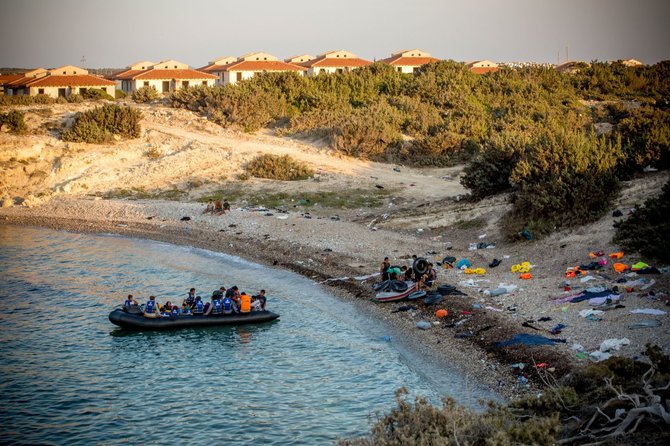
pixel 151 306
pixel 128 303
pixel 216 306
pixel 227 305
pixel 198 307
pixel 190 299
pixel 174 312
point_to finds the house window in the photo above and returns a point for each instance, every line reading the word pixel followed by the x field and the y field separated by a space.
pixel 204 83
pixel 166 86
pixel 184 84
pixel 175 67
pixel 82 90
pixel 146 83
pixel 40 91
pixel 399 69
pixel 239 76
pixel 340 71
pixel 64 72
pixel 62 92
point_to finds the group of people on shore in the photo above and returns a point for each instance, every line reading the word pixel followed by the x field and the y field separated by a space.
pixel 408 274
pixel 217 208
pixel 223 302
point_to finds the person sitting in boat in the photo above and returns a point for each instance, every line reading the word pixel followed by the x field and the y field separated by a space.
pixel 245 303
pixel 151 309
pixel 186 310
pixel 190 298
pixel 217 307
pixel 255 303
pixel 198 307
pixel 129 302
pixel 234 293
pixel 228 306
pixel 261 298
pixel 175 311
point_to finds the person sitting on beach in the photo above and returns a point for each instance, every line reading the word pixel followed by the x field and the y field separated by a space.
pixel 129 302
pixel 199 307
pixel 226 205
pixel 245 303
pixel 209 208
pixel 218 208
pixel 405 274
pixel 383 268
pixel 227 304
pixel 151 309
pixel 261 298
pixel 432 275
pixel 394 273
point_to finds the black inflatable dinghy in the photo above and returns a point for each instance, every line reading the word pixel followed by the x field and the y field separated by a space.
pixel 136 320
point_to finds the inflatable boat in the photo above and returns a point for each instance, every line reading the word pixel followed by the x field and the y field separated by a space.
pixel 134 319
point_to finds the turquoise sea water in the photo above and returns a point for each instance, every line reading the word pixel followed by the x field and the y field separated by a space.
pixel 70 377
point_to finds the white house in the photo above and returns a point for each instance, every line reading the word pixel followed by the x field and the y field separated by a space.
pixel 334 62
pixel 408 61
pixel 62 81
pixel 215 67
pixel 483 66
pixel 247 66
pixel 300 58
pixel 165 76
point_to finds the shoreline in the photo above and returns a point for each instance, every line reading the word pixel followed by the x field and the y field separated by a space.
pixel 473 364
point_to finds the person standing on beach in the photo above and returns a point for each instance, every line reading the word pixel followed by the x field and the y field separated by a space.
pixel 384 267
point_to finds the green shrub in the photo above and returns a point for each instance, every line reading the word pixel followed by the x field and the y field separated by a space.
pixel 489 172
pixel 75 98
pixel 26 100
pixel 646 231
pixel 145 94
pixel 645 134
pixel 563 179
pixel 119 94
pixel 95 94
pixel 276 167
pixel 14 120
pixel 100 124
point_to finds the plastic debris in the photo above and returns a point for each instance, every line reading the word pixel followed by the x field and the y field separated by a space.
pixel 463 263
pixel 647 323
pixel 423 325
pixel 522 268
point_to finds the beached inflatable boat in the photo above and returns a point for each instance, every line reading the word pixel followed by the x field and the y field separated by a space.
pixel 135 320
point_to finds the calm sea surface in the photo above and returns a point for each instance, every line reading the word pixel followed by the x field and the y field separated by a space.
pixel 71 377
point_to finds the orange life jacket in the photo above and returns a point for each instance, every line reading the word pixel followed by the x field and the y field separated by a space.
pixel 245 303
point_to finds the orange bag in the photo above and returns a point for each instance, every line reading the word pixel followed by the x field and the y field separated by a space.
pixel 616 255
pixel 526 276
pixel 620 267
pixel 441 313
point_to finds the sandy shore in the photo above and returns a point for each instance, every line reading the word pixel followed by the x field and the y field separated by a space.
pixel 323 249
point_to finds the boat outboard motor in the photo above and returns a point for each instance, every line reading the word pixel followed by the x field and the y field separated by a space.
pixel 420 266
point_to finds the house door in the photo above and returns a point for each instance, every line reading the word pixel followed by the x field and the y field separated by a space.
pixel 239 76
pixel 166 86
pixel 61 92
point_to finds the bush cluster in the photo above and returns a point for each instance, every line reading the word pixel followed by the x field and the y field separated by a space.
pixel 14 120
pixel 278 167
pixel 646 230
pixel 100 124
pixel 26 100
pixel 507 126
pixel 145 94
pixel 579 408
pixel 94 94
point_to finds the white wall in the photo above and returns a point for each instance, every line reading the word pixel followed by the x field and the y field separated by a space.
pixel 53 91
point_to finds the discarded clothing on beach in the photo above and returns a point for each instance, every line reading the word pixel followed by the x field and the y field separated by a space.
pixel 481 245
pixel 585 295
pixel 529 340
pixel 449 290
pixel 647 323
pixel 495 263
pixel 591 266
pixel 557 329
pixel 651 311
pixel 596 301
pixel 648 270
pixel 423 325
pixel 404 308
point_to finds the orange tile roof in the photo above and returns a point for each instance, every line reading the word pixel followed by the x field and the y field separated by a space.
pixel 336 62
pixel 400 61
pixel 7 78
pixel 172 74
pixel 209 68
pixel 126 74
pixel 261 65
pixel 77 80
pixel 483 70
